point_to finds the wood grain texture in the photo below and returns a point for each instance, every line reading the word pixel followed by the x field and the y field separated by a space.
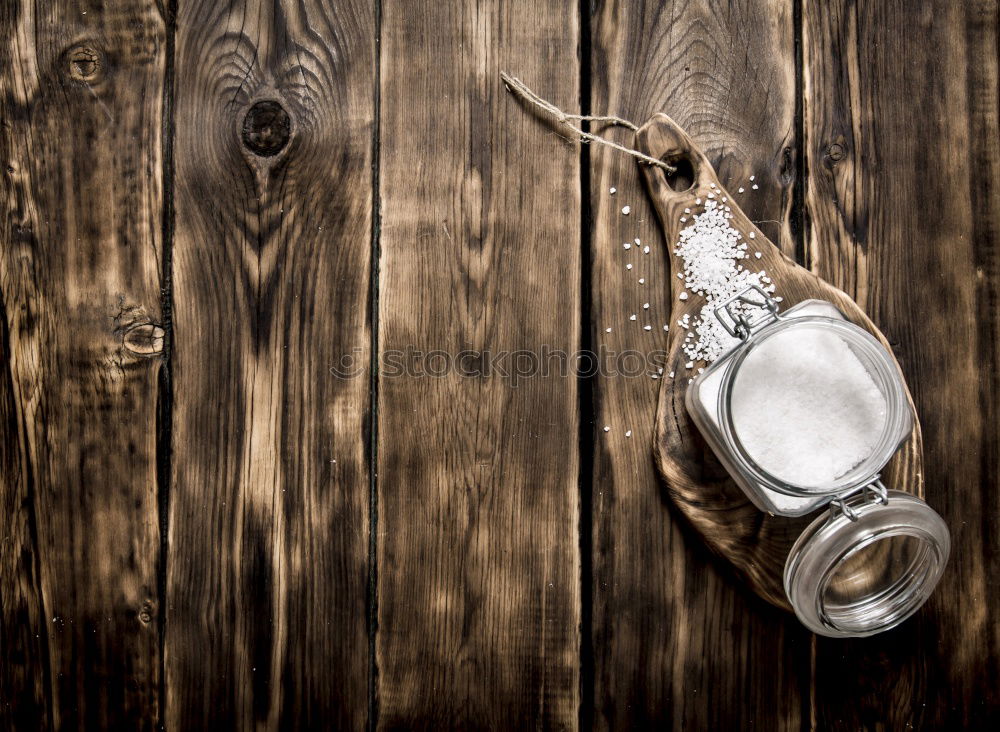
pixel 81 95
pixel 677 642
pixel 756 544
pixel 167 379
pixel 267 570
pixel 904 197
pixel 478 556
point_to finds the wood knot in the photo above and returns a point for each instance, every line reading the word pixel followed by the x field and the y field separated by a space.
pixel 144 339
pixel 84 63
pixel 266 128
pixel 836 152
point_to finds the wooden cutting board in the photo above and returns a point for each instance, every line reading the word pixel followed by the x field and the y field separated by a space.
pixel 755 543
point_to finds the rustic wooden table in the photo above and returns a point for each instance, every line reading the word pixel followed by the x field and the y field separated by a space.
pixel 217 512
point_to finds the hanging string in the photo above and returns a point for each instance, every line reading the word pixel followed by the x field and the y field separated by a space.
pixel 518 87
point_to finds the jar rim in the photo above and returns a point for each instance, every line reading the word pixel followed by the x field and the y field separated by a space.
pixel 833 539
pixel 898 417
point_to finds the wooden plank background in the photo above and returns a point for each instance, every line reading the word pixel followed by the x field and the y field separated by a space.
pixel 240 241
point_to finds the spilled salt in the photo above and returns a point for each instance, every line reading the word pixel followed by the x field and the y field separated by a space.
pixel 805 408
pixel 712 251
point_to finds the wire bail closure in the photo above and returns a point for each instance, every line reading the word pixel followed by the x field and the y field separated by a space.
pixel 873 492
pixel 734 317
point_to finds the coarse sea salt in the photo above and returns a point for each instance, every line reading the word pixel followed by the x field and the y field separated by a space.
pixel 711 251
pixel 805 408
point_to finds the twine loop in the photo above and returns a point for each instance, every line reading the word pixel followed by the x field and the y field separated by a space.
pixel 519 88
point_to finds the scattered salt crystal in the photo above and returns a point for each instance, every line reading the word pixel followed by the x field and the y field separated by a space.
pixel 607 330
pixel 741 190
pixel 659 370
pixel 683 219
pixel 689 365
pixel 631 317
pixel 613 191
pixel 628 433
pixel 666 327
pixel 754 186
pixel 680 275
pixel 628 266
pixel 671 374
pixel 647 327
pixel 637 242
pixel 645 249
pixel 645 306
pixel 653 376
pixel 711 195
pixel 697 201
pixel 684 296
pixel 711 249
pixel 752 177
pixel 626 210
pixel 757 254
pixel 642 280
pixel 752 235
pixel 627 245
pixel 606 427
pixel 825 414
pixel 687 210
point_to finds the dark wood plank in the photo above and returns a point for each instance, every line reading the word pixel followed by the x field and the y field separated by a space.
pixel 478 558
pixel 904 159
pixel 81 88
pixel 677 642
pixel 268 544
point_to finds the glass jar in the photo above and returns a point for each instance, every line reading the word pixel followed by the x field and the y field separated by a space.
pixel 803 413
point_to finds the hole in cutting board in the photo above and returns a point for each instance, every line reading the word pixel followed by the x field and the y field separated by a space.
pixel 683 178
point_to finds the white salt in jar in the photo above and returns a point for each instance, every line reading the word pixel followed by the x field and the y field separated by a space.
pixel 804 413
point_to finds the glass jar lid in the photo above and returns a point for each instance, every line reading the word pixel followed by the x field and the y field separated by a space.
pixel 867 564
pixel 813 406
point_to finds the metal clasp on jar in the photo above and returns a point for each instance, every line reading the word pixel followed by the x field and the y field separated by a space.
pixel 873 492
pixel 735 318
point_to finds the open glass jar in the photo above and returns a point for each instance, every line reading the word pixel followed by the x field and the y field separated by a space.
pixel 803 413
